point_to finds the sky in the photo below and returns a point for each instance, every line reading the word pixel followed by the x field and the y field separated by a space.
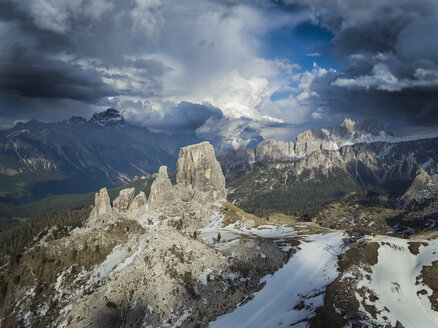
pixel 222 67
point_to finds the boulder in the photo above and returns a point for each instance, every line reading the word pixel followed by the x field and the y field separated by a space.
pixel 198 168
pixel 139 201
pixel 125 198
pixel 102 205
pixel 161 190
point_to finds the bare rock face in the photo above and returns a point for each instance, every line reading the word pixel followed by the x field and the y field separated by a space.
pixel 198 168
pixel 423 187
pixel 161 190
pixel 272 151
pixel 139 201
pixel 308 142
pixel 346 130
pixel 125 198
pixel 184 193
pixel 102 205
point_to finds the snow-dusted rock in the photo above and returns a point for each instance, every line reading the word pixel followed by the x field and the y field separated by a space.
pixel 423 187
pixel 124 200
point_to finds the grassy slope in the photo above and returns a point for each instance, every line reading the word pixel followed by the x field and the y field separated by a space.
pixel 270 187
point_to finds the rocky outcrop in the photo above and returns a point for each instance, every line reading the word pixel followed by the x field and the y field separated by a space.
pixel 161 190
pixel 348 129
pixel 139 201
pixel 102 205
pixel 184 193
pixel 198 169
pixel 273 151
pixel 422 188
pixel 110 117
pixel 199 178
pixel 308 142
pixel 125 198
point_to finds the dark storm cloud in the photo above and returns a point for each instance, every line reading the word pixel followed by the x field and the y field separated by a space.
pixel 411 106
pixel 56 53
pixel 186 117
pixel 32 75
pixel 393 60
pixel 75 57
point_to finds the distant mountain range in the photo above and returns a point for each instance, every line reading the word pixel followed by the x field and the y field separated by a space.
pixel 75 156
pixel 325 165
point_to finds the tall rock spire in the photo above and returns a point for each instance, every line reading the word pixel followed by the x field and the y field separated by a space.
pixel 198 168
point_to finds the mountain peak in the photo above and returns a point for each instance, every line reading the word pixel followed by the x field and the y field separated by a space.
pixel 349 124
pixel 109 117
pixel 76 120
pixel 372 127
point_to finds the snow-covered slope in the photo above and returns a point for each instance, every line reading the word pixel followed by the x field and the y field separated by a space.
pixel 291 294
pixel 396 283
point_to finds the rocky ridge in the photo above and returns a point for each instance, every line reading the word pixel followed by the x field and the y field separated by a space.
pixel 163 269
pixel 78 155
pixel 422 188
pixel 375 164
pixel 187 262
pixel 347 133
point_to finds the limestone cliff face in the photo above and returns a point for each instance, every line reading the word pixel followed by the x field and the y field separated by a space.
pixel 346 130
pixel 102 205
pixel 272 151
pixel 124 200
pixel 347 133
pixel 308 142
pixel 198 169
pixel 199 178
pixel 139 201
pixel 161 190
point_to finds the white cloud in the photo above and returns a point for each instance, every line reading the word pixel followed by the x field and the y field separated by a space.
pixel 216 58
pixel 147 17
pixel 382 79
pixel 155 54
pixel 313 54
pixel 59 15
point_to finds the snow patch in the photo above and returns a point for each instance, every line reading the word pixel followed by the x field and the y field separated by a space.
pixel 302 281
